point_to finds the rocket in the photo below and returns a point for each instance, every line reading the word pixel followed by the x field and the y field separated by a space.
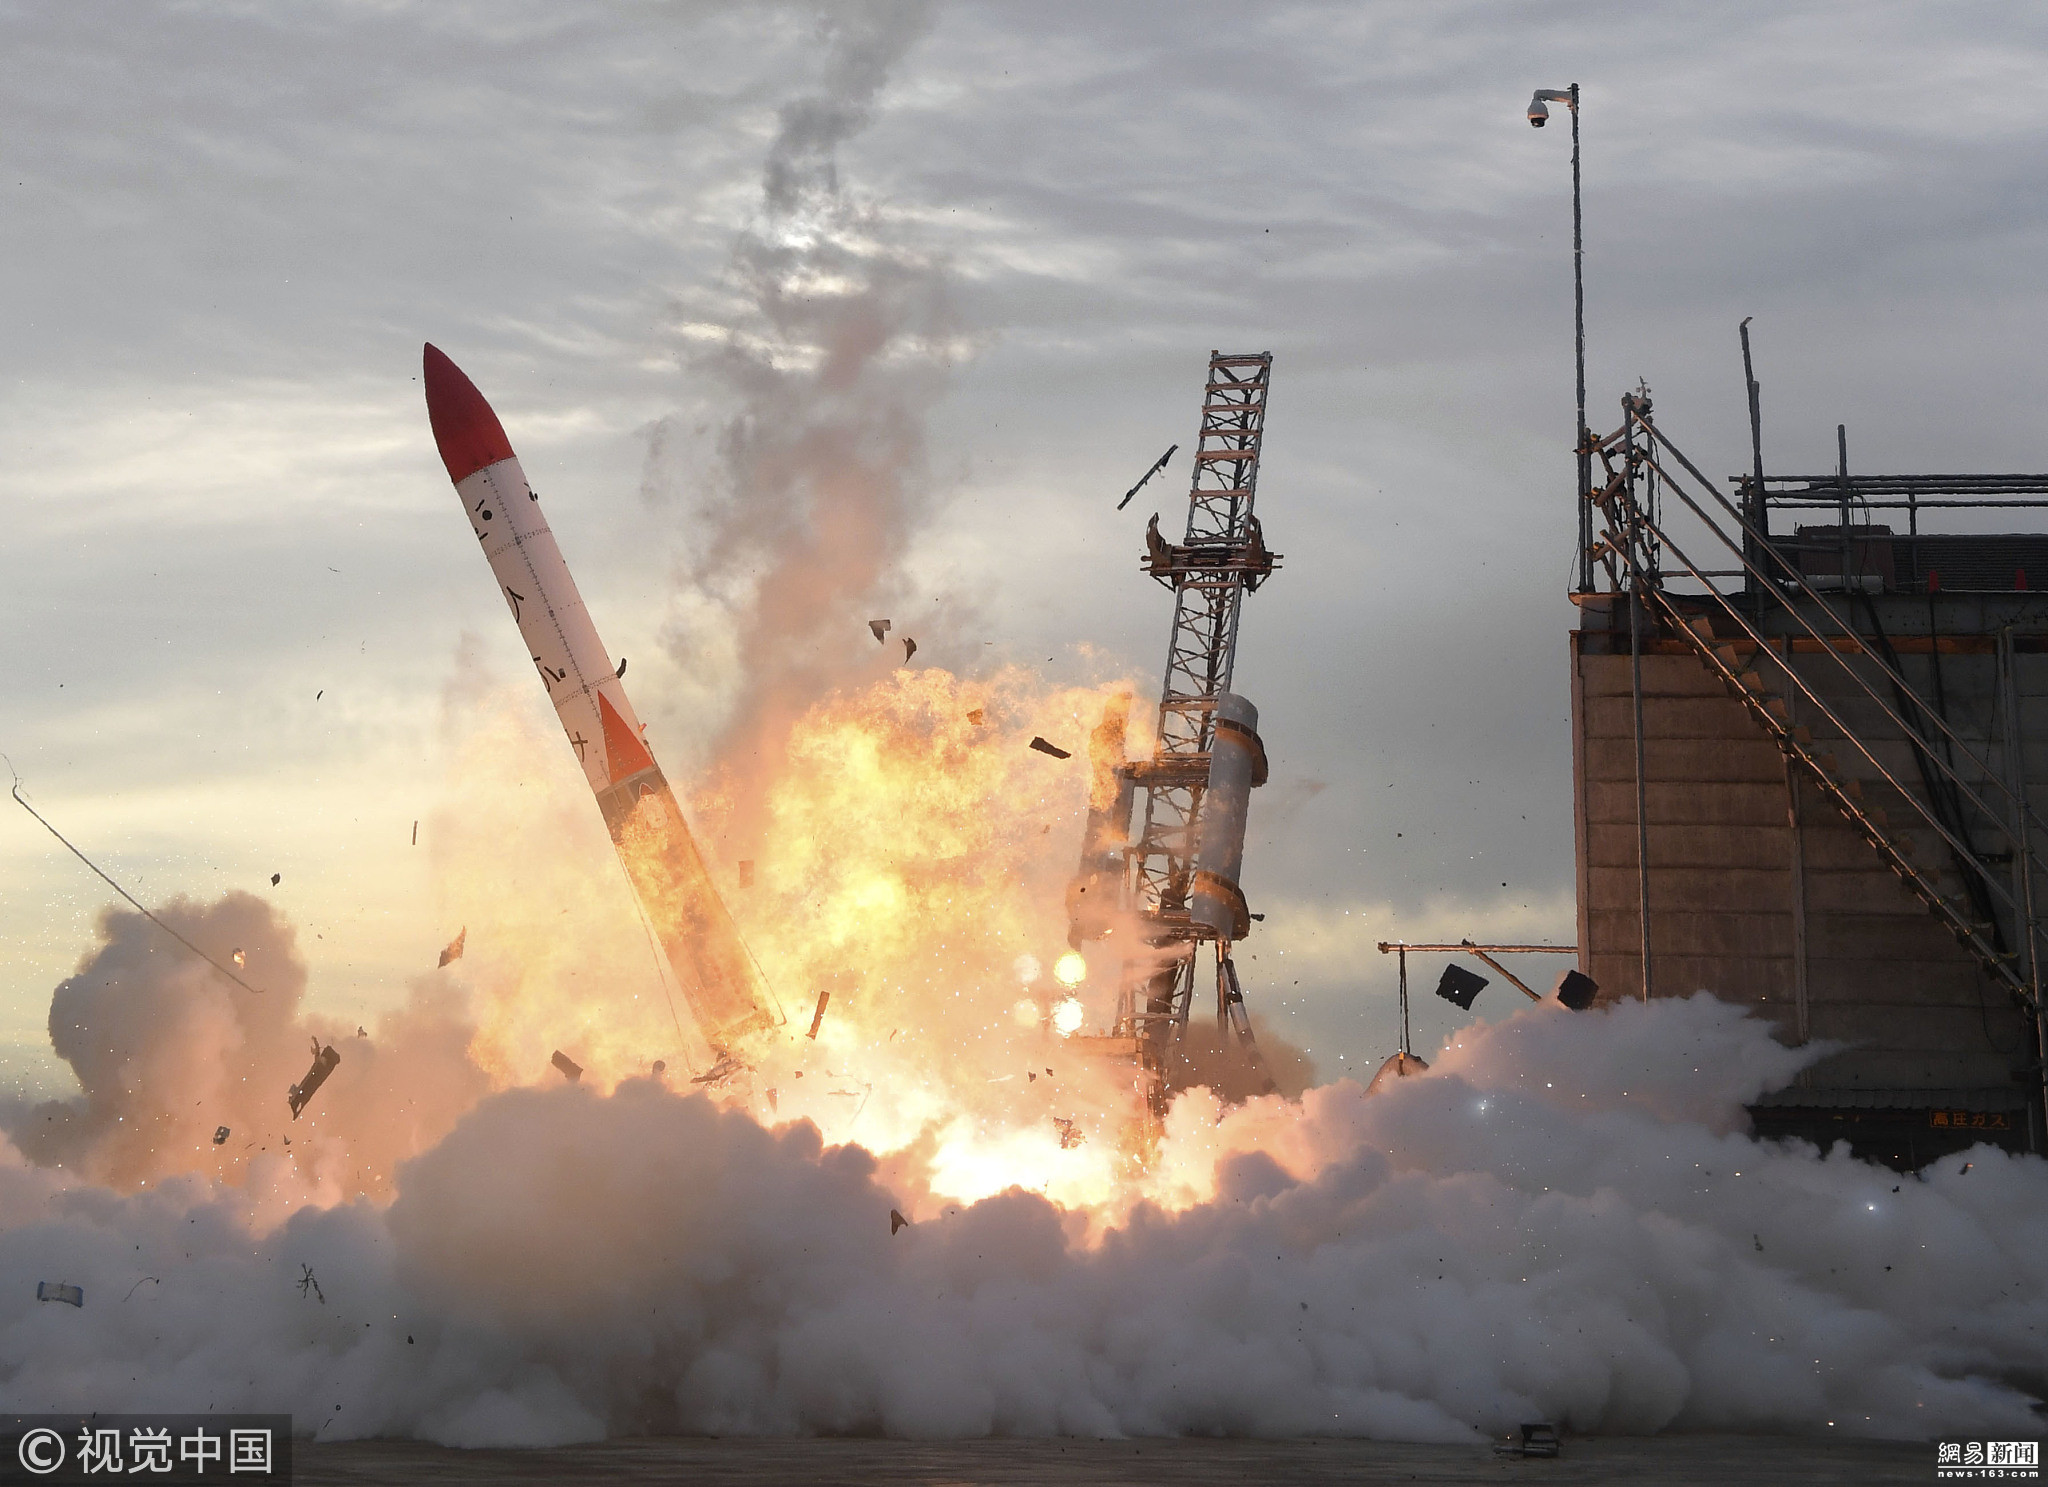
pixel 712 965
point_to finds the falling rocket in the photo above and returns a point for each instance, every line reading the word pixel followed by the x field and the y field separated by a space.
pixel 712 965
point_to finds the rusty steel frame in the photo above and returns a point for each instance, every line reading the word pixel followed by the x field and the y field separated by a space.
pixel 1221 557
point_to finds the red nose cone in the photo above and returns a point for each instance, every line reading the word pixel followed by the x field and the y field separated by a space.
pixel 467 431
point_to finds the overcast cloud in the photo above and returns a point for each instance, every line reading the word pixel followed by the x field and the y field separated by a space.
pixel 230 226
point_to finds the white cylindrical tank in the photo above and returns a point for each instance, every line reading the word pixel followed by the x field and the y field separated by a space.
pixel 1237 764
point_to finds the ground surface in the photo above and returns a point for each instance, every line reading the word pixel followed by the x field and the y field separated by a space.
pixel 1680 1461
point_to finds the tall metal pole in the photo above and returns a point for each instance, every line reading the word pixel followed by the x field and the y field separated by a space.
pixel 1632 534
pixel 1585 442
pixel 2016 768
pixel 1759 509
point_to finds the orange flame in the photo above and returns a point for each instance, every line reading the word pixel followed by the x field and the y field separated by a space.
pixel 913 865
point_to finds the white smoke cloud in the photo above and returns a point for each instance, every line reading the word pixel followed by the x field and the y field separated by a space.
pixel 1561 1221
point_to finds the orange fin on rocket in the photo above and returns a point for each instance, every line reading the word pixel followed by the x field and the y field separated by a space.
pixel 624 754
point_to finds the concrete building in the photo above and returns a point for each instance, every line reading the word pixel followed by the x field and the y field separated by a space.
pixel 1839 744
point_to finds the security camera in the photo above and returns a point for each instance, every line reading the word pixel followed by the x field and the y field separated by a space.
pixel 1539 114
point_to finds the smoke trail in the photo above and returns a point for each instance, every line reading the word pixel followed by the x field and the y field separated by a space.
pixel 837 349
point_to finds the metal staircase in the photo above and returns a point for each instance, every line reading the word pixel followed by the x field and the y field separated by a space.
pixel 1725 632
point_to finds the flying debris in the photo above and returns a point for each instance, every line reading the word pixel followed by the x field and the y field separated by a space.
pixel 774 1104
pixel 909 649
pixel 725 991
pixel 1460 986
pixel 728 1065
pixel 220 1135
pixel 571 1070
pixel 818 1016
pixel 239 958
pixel 324 1061
pixel 275 879
pixel 1576 990
pixel 660 1067
pixel 361 1031
pixel 897 1221
pixel 454 947
pixel 1070 1134
pixel 415 833
pixel 53 1290
pixel 881 628
pixel 1157 465
pixel 1049 748
pixel 975 717
pixel 621 672
pixel 307 1283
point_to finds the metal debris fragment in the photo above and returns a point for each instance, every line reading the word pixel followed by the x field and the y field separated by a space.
pixel 1157 465
pixel 819 1015
pixel 1576 990
pixel 909 649
pixel 307 1283
pixel 240 958
pixel 897 1221
pixel 361 1031
pixel 881 628
pixel 571 1070
pixel 1070 1134
pixel 660 1067
pixel 1032 1075
pixel 138 1285
pixel 275 879
pixel 1459 986
pixel 621 672
pixel 56 1290
pixel 220 1135
pixel 975 715
pixel 415 833
pixel 728 1065
pixel 1049 748
pixel 454 950
pixel 324 1061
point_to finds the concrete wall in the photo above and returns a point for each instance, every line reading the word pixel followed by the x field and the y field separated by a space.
pixel 1729 876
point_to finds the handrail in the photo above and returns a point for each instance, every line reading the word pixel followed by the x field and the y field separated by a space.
pixel 1847 733
pixel 1848 632
pixel 1990 957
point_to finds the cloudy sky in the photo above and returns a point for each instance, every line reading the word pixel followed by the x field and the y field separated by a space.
pixel 240 615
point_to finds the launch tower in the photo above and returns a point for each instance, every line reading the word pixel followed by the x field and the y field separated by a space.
pixel 1182 867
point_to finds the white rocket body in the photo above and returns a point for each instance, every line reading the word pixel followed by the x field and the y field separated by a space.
pixel 712 965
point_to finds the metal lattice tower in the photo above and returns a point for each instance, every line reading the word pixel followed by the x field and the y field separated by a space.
pixel 1222 557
